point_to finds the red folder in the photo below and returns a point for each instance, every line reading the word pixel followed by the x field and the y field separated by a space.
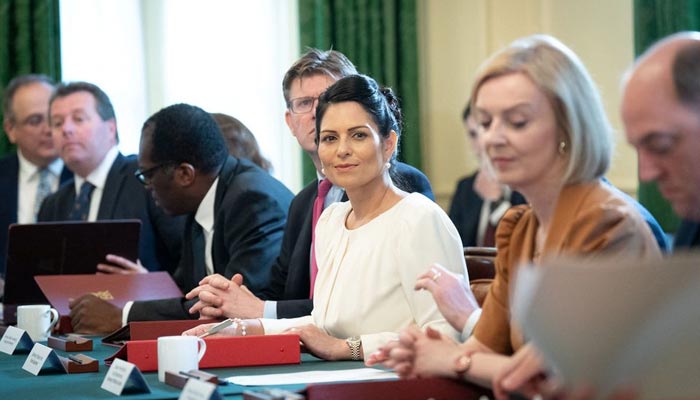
pixel 146 330
pixel 239 351
pixel 407 389
pixel 117 289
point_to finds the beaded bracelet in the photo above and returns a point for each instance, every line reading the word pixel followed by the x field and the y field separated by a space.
pixel 240 323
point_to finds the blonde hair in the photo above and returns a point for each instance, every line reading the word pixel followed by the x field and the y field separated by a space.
pixel 578 109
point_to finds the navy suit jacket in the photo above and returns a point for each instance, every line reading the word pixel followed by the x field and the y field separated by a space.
pixel 290 280
pixel 687 236
pixel 9 192
pixel 125 197
pixel 250 212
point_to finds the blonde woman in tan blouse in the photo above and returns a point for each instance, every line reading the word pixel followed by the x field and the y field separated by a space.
pixel 545 135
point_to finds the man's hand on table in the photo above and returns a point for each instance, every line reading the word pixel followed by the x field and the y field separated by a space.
pixel 90 314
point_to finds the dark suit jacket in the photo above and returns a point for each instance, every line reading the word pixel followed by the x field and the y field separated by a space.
pixel 687 236
pixel 465 210
pixel 125 197
pixel 290 280
pixel 9 192
pixel 250 212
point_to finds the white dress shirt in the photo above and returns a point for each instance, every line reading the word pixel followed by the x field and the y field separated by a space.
pixel 28 184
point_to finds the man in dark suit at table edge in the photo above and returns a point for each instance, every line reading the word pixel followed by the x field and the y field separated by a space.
pixel 236 214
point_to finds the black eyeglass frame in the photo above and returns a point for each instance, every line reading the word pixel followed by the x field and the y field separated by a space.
pixel 145 176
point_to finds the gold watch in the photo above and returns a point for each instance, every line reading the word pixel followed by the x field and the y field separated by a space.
pixel 354 343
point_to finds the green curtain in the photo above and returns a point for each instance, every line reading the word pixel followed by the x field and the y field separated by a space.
pixel 654 19
pixel 29 43
pixel 379 37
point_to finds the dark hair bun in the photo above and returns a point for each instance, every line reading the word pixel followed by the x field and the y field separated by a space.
pixel 394 106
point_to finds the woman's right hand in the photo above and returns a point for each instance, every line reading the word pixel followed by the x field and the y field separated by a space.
pixel 451 292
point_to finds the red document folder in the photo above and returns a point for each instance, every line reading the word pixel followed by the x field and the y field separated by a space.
pixel 407 389
pixel 240 351
pixel 117 289
pixel 145 330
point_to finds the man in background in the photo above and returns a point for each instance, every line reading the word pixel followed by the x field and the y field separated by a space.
pixel 661 114
pixel 84 129
pixel 35 170
pixel 236 213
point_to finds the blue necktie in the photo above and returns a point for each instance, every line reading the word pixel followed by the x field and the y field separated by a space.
pixel 81 209
pixel 42 190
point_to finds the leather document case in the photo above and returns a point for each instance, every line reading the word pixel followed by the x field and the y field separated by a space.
pixel 407 389
pixel 117 289
pixel 240 351
pixel 59 248
pixel 147 330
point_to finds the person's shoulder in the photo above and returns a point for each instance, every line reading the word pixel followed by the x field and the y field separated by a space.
pixel 416 209
pixel 9 160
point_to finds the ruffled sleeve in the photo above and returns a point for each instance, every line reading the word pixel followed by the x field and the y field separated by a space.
pixel 493 328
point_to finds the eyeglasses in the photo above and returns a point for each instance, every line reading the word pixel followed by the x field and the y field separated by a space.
pixel 302 105
pixel 145 176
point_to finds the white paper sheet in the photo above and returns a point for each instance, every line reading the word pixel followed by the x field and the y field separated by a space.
pixel 609 323
pixel 346 375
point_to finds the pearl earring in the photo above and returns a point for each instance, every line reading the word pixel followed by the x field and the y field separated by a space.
pixel 387 165
pixel 323 171
pixel 562 147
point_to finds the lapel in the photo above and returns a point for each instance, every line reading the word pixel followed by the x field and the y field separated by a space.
pixel 9 186
pixel 113 187
pixel 687 235
pixel 228 173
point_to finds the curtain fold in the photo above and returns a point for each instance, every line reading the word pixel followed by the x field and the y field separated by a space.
pixel 379 37
pixel 654 19
pixel 29 43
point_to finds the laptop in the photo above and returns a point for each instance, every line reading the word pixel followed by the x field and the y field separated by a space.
pixel 60 248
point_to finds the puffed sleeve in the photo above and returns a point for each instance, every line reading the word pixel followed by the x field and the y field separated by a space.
pixel 493 329
pixel 425 235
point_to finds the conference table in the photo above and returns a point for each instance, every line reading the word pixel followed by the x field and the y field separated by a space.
pixel 16 383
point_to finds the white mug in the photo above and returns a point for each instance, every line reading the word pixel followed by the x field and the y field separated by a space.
pixel 37 320
pixel 179 353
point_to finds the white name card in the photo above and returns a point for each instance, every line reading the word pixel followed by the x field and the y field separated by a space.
pixel 39 357
pixel 199 390
pixel 123 377
pixel 15 339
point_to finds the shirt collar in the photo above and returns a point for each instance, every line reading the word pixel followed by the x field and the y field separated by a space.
pixel 28 169
pixel 98 176
pixel 205 212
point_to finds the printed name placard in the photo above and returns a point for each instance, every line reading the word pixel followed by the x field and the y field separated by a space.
pixel 41 356
pixel 196 389
pixel 15 340
pixel 123 377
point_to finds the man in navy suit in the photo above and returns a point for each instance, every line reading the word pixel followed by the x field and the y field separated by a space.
pixel 236 214
pixel 84 130
pixel 661 114
pixel 290 283
pixel 35 171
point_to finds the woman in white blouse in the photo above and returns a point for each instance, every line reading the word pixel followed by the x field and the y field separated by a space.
pixel 370 249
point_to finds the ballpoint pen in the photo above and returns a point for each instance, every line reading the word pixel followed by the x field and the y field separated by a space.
pixel 216 328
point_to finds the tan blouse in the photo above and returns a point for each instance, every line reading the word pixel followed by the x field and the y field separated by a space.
pixel 590 219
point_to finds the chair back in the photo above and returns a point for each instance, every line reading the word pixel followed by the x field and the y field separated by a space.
pixel 480 266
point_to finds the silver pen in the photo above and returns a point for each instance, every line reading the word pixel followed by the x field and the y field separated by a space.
pixel 216 328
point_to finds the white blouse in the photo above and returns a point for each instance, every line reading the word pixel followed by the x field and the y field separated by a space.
pixel 366 275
